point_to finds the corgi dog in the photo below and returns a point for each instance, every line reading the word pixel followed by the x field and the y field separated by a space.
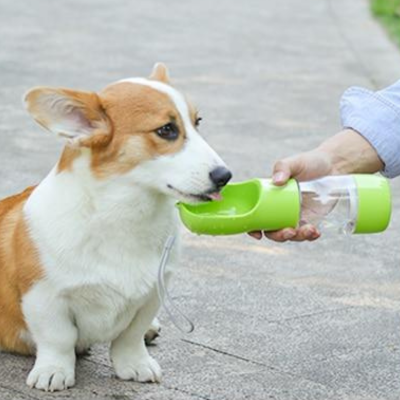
pixel 79 253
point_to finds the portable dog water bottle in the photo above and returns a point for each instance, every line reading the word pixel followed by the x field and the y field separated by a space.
pixel 342 204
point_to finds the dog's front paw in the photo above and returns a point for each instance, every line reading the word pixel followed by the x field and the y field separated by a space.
pixel 51 378
pixel 143 370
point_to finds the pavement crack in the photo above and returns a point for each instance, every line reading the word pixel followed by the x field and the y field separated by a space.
pixel 225 353
pixel 269 367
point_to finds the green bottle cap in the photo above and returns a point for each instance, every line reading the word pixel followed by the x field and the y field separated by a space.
pixel 374 203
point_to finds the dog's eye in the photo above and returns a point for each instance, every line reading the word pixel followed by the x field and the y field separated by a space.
pixel 198 120
pixel 168 132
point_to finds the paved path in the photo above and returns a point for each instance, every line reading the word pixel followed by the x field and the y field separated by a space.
pixel 318 321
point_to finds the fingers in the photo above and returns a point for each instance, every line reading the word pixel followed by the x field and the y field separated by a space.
pixel 282 235
pixel 286 169
pixel 306 232
pixel 256 235
pixel 281 173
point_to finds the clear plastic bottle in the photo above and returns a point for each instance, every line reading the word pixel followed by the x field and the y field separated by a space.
pixel 341 204
pixel 346 204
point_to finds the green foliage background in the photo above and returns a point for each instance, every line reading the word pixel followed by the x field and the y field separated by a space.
pixel 388 12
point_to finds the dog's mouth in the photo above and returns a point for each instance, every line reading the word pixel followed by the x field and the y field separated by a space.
pixel 211 195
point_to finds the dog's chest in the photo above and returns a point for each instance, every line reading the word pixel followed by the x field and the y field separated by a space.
pixel 105 295
pixel 103 258
pixel 100 313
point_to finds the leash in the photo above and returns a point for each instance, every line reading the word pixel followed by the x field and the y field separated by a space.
pixel 177 317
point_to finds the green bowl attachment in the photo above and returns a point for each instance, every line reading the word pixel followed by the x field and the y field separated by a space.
pixel 248 206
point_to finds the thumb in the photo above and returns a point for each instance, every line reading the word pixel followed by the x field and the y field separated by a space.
pixel 284 170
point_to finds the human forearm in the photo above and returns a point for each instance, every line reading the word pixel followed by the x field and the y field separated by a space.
pixel 349 152
pixel 376 116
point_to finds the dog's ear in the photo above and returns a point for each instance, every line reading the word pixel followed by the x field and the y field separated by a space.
pixel 160 73
pixel 78 116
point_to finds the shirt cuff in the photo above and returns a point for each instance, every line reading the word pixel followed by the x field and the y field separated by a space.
pixel 378 121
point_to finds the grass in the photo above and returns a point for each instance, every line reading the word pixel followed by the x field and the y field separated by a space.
pixel 388 12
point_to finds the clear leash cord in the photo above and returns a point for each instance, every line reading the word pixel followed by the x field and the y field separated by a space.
pixel 177 317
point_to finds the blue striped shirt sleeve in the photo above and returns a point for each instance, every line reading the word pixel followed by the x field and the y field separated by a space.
pixel 376 116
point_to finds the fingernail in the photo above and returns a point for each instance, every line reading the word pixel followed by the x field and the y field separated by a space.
pixel 279 177
pixel 289 235
pixel 310 232
pixel 256 235
pixel 316 234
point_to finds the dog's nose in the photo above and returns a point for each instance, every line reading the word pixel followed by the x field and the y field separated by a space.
pixel 220 176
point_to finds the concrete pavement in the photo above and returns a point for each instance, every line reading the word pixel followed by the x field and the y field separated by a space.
pixel 292 321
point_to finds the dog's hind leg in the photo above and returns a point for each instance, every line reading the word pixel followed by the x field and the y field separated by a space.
pixel 153 332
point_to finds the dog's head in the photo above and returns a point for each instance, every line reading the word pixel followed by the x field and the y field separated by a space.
pixel 142 130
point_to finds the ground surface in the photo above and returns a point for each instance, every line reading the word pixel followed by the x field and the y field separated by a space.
pixel 317 321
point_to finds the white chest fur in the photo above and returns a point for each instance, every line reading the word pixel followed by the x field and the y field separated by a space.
pixel 100 248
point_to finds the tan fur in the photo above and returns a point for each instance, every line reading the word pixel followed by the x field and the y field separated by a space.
pixel 47 106
pixel 194 114
pixel 160 73
pixel 68 156
pixel 19 269
pixel 135 113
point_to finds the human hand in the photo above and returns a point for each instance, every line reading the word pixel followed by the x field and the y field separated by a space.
pixel 345 153
pixel 304 167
